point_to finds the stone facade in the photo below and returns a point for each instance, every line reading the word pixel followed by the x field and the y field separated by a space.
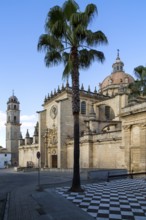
pixel 134 136
pixel 28 149
pixel 112 129
pixel 57 128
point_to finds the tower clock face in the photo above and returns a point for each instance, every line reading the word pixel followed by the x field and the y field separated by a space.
pixel 53 111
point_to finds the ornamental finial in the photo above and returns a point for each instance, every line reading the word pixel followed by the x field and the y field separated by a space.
pixel 118 53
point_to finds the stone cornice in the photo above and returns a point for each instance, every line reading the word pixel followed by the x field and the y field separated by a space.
pixel 135 109
pixel 68 90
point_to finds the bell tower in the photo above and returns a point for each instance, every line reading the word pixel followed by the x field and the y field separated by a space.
pixel 13 128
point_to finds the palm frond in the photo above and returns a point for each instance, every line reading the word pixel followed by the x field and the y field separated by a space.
pixel 80 33
pixel 55 22
pixel 59 29
pixel 47 42
pixel 68 69
pixel 135 89
pixel 67 63
pixel 140 72
pixel 90 11
pixel 96 38
pixel 76 19
pixel 52 58
pixel 97 55
pixel 55 14
pixel 138 87
pixel 69 7
pixel 86 57
pixel 65 57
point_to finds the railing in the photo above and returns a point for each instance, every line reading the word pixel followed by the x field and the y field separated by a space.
pixel 126 175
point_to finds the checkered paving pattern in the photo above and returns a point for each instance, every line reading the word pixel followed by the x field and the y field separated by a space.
pixel 121 199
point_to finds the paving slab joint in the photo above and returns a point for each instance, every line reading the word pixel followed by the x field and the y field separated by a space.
pixel 6 207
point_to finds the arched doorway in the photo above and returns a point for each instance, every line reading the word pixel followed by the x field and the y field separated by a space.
pixel 54 161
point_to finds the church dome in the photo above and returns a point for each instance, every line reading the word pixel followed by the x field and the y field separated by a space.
pixel 117 78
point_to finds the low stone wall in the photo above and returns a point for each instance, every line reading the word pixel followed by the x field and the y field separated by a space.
pixel 102 174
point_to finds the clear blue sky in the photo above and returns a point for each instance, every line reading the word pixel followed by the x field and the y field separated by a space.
pixel 22 67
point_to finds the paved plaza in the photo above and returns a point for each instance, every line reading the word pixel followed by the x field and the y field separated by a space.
pixel 121 199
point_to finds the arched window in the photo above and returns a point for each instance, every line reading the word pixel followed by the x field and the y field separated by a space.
pixel 107 112
pixel 83 107
pixel 14 106
pixel 14 118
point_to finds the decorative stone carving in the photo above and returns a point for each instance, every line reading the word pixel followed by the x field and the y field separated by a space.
pixel 53 152
pixel 53 111
pixel 52 137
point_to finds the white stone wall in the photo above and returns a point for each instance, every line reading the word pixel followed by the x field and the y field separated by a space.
pixel 28 153
pixel 70 156
pixel 5 158
pixel 85 156
pixel 108 153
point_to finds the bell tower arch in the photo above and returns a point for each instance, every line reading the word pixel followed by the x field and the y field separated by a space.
pixel 13 128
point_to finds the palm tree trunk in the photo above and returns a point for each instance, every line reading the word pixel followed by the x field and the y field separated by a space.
pixel 76 185
pixel 76 167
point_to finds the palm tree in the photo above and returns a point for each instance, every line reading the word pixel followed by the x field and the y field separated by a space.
pixel 138 87
pixel 69 40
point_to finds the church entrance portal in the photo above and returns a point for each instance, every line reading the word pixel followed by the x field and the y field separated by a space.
pixel 54 161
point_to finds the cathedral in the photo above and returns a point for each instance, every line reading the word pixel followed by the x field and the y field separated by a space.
pixel 112 127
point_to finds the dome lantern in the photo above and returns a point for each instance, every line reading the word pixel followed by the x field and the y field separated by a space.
pixel 118 65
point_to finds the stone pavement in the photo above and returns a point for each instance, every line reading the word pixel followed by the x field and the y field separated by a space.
pixel 3 197
pixel 27 203
pixel 115 200
pixel 120 199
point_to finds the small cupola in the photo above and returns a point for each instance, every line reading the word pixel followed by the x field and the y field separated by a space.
pixel 13 103
pixel 13 99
